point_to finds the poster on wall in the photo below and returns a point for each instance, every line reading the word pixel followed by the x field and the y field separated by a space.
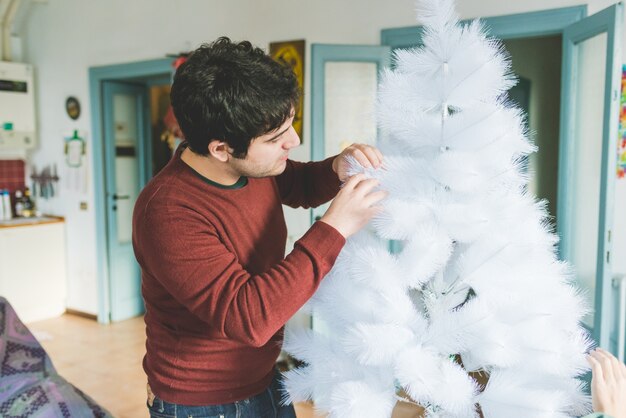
pixel 621 141
pixel 292 54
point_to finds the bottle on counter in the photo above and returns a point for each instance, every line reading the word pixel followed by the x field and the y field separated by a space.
pixel 7 210
pixel 29 207
pixel 19 203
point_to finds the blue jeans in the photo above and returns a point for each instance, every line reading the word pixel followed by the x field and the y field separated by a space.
pixel 264 405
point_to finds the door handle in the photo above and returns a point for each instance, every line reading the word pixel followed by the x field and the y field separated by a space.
pixel 123 197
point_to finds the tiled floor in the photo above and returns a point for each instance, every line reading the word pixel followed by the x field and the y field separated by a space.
pixel 105 362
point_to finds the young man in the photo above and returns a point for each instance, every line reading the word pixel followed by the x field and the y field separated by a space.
pixel 209 235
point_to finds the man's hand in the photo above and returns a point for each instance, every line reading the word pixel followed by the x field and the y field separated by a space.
pixel 354 205
pixel 366 155
pixel 608 383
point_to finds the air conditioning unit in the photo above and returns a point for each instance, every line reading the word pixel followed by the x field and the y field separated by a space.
pixel 17 107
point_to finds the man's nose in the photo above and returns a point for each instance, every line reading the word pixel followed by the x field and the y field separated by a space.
pixel 293 140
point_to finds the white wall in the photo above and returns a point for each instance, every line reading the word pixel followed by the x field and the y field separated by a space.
pixel 63 38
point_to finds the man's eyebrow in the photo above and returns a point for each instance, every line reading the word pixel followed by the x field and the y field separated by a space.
pixel 278 134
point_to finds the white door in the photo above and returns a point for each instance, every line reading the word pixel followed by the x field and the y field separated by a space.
pixel 343 96
pixel 124 134
pixel 588 158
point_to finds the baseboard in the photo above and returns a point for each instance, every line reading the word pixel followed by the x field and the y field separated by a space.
pixel 81 314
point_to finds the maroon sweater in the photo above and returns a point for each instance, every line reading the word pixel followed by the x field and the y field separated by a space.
pixel 217 286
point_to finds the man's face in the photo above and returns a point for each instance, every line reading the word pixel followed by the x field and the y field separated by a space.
pixel 267 154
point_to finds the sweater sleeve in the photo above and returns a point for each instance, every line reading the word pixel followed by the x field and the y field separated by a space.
pixel 189 260
pixel 308 184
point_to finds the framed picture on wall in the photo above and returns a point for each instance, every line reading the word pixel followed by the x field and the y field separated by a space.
pixel 621 141
pixel 292 54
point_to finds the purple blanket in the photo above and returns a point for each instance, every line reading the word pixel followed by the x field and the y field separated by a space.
pixel 29 384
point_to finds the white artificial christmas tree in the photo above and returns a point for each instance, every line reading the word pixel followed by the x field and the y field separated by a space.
pixel 477 279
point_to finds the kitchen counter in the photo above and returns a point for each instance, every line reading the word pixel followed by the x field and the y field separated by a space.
pixel 36 220
pixel 33 266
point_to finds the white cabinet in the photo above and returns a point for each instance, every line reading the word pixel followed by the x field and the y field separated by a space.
pixel 33 269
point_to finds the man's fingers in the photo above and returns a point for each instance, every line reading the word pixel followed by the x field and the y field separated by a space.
pixel 376 210
pixel 380 154
pixel 366 155
pixel 365 186
pixel 372 156
pixel 353 181
pixel 362 159
pixel 375 197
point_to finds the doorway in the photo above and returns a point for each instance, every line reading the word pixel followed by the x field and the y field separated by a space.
pixel 128 102
pixel 537 63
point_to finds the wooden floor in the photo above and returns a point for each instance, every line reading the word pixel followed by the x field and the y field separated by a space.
pixel 105 362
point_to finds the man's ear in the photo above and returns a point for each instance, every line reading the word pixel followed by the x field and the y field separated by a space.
pixel 219 150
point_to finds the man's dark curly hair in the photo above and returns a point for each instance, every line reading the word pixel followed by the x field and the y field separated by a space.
pixel 232 92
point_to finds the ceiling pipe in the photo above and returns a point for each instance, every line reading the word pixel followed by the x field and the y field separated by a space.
pixel 7 25
pixel 4 5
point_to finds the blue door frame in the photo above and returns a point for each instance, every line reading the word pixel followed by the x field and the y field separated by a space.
pixel 522 25
pixel 97 75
